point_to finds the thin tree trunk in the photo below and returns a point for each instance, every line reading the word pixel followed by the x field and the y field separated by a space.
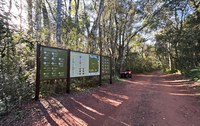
pixel 58 26
pixel 69 19
pixel 46 22
pixel 169 56
pixel 96 25
pixel 30 16
pixel 77 23
pixel 38 19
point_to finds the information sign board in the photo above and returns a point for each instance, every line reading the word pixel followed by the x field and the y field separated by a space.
pixel 53 63
pixel 78 64
pixel 82 64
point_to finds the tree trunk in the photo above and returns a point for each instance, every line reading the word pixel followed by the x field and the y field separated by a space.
pixel 169 57
pixel 46 22
pixel 96 25
pixel 76 23
pixel 69 19
pixel 58 26
pixel 30 16
pixel 38 19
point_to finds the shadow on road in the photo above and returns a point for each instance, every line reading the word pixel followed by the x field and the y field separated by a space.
pixel 134 101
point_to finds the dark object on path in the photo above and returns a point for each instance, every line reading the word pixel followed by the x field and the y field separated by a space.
pixel 126 74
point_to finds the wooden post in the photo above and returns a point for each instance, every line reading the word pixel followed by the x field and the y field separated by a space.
pixel 37 87
pixel 110 70
pixel 100 76
pixel 68 71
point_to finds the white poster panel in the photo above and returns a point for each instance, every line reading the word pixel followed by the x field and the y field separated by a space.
pixel 82 64
pixel 79 64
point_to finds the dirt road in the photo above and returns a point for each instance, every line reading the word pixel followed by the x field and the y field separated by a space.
pixel 145 100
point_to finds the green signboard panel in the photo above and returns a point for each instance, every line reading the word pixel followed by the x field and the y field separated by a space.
pixel 53 63
pixel 105 65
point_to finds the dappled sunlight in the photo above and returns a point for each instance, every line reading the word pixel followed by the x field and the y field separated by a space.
pixel 165 75
pixel 85 114
pixel 61 115
pixel 170 75
pixel 169 85
pixel 87 107
pixel 125 124
pixel 196 84
pixel 108 100
pixel 145 75
pixel 133 82
pixel 116 95
pixel 173 78
pixel 179 94
pixel 176 81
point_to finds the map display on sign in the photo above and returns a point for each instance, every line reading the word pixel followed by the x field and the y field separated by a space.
pixel 105 65
pixel 94 64
pixel 53 63
pixel 78 64
pixel 82 64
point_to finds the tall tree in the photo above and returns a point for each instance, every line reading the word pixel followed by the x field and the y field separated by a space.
pixel 69 19
pixel 95 26
pixel 77 2
pixel 58 26
pixel 46 22
pixel 30 15
pixel 38 19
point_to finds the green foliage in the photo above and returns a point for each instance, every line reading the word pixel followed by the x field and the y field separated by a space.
pixel 16 68
pixel 142 57
pixel 169 71
pixel 52 87
pixel 194 74
pixel 83 83
pixel 139 64
pixel 178 42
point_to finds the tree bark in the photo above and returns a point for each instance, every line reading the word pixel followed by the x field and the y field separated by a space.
pixel 69 19
pixel 38 19
pixel 77 23
pixel 96 25
pixel 58 26
pixel 30 16
pixel 46 22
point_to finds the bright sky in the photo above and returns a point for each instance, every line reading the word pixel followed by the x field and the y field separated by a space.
pixel 16 10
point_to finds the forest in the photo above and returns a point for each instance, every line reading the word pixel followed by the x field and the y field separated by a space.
pixel 140 35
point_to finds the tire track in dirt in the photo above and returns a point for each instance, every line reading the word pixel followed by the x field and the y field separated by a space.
pixel 174 104
pixel 143 112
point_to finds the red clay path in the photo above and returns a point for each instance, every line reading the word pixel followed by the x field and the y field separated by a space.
pixel 145 100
